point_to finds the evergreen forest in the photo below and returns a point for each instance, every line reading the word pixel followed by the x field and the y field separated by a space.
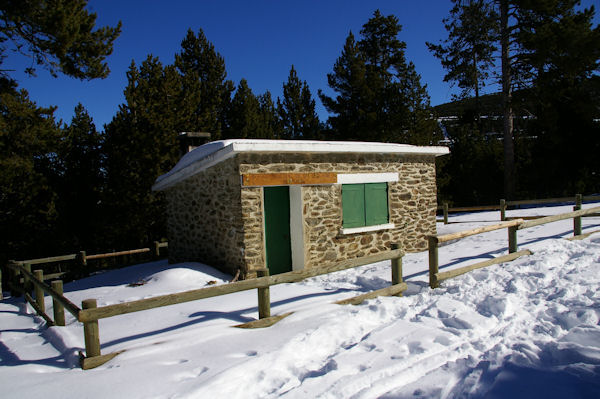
pixel 65 187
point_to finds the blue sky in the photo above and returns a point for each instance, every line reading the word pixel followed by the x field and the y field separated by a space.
pixel 259 41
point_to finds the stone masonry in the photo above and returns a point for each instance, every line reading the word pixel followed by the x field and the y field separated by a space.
pixel 412 203
pixel 213 219
pixel 204 221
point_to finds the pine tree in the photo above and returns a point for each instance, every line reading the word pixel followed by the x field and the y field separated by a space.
pixel 80 181
pixel 269 120
pixel 244 119
pixel 377 89
pixel 58 35
pixel 205 86
pixel 468 52
pixel 297 110
pixel 350 120
pixel 562 49
pixel 29 139
pixel 537 40
pixel 421 128
pixel 141 144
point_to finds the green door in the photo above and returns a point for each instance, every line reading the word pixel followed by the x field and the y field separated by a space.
pixel 277 229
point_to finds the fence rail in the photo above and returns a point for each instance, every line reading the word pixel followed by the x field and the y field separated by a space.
pixel 90 313
pixel 435 277
pixel 244 285
pixel 503 205
pixel 83 257
pixel 51 259
pixel 36 280
pixel 441 276
pixel 556 218
pixel 479 230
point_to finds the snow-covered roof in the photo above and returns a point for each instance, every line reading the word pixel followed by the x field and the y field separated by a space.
pixel 214 152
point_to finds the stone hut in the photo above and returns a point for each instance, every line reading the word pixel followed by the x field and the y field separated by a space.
pixel 290 205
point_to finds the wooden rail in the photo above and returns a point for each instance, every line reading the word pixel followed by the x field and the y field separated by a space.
pixel 68 305
pixel 578 199
pixel 556 218
pixel 462 270
pixel 120 253
pixel 244 285
pixel 479 230
pixel 51 259
pixel 392 290
pixel 435 277
pixel 82 257
pixel 90 314
pixel 542 201
pixel 474 208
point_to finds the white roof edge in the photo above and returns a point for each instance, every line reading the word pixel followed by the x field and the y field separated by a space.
pixel 212 153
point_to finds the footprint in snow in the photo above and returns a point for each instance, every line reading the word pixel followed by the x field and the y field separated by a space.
pixel 442 340
pixel 245 354
pixel 414 348
pixel 188 375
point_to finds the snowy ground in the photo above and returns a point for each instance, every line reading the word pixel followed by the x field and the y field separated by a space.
pixel 529 328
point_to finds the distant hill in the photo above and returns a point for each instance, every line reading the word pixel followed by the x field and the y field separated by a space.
pixel 491 104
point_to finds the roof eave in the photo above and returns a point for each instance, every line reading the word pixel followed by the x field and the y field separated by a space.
pixel 170 179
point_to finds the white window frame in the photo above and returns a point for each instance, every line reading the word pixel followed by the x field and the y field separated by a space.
pixel 359 178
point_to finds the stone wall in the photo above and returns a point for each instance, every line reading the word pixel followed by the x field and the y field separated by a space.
pixel 204 219
pixel 412 203
pixel 212 219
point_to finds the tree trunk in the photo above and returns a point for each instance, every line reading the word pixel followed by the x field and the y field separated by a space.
pixel 477 104
pixel 509 149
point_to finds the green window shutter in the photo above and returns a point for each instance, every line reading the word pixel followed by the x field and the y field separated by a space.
pixel 376 204
pixel 353 205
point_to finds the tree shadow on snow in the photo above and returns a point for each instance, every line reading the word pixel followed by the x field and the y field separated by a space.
pixel 512 381
pixel 237 316
pixel 566 234
pixel 501 251
pixel 68 356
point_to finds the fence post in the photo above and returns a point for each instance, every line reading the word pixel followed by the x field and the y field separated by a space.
pixel 59 310
pixel 513 246
pixel 15 280
pixel 39 292
pixel 396 268
pixel 433 261
pixel 26 283
pixel 81 257
pixel 91 333
pixel 503 210
pixel 577 220
pixel 445 206
pixel 264 296
pixel 156 249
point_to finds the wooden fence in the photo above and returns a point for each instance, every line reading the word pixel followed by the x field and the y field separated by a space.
pixel 22 280
pixel 82 258
pixel 435 277
pixel 90 313
pixel 503 205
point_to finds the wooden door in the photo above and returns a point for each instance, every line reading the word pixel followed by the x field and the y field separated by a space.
pixel 277 229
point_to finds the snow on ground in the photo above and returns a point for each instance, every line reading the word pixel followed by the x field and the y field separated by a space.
pixel 529 328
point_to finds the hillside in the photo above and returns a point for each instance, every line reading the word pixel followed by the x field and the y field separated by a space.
pixel 491 104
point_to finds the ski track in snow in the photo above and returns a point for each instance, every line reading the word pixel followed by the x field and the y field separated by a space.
pixel 528 328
